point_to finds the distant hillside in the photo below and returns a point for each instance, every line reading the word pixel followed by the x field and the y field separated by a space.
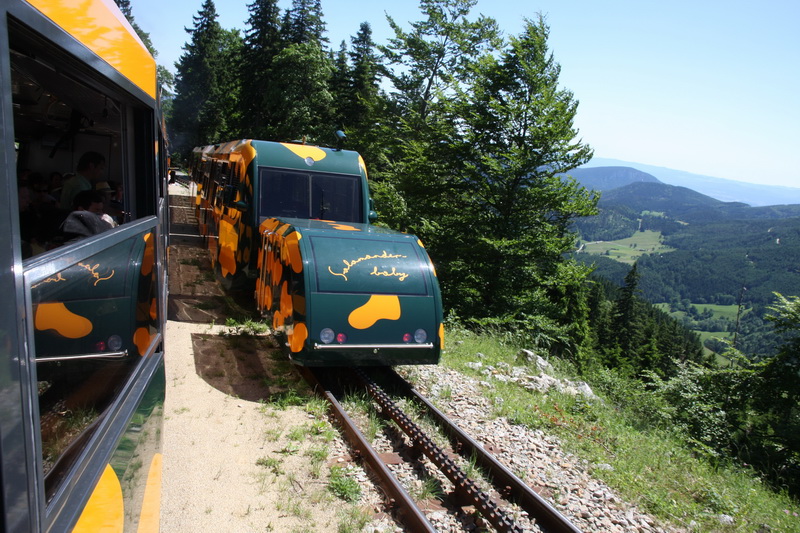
pixel 649 205
pixel 721 189
pixel 668 199
pixel 686 205
pixel 607 178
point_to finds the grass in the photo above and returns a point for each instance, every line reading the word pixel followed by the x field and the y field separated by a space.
pixel 649 467
pixel 270 463
pixel 352 520
pixel 247 327
pixel 307 487
pixel 630 249
pixel 429 488
pixel 360 405
pixel 344 486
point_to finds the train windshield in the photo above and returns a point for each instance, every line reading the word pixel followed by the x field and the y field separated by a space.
pixel 317 195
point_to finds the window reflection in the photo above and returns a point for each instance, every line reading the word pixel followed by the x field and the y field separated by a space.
pixel 94 321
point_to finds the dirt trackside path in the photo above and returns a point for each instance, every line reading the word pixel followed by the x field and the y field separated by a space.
pixel 240 454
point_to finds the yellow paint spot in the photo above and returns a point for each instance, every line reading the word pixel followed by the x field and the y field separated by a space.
pixel 363 166
pixel 277 271
pixel 148 260
pixel 142 338
pixel 268 298
pixel 286 301
pixel 293 248
pixel 344 227
pixel 227 262
pixel 151 505
pixel 105 510
pixel 66 323
pixel 298 337
pixel 228 243
pixel 378 307
pixel 420 243
pixel 304 151
pixel 441 336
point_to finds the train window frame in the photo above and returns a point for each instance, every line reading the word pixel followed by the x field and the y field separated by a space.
pixel 24 27
pixel 311 178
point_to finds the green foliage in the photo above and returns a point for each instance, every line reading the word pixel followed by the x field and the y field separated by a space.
pixel 262 42
pixel 480 168
pixel 299 94
pixel 303 23
pixel 632 335
pixel 205 108
pixel 248 327
pixel 629 440
pixel 343 485
pixel 747 410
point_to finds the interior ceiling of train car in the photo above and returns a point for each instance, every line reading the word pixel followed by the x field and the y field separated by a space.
pixel 49 102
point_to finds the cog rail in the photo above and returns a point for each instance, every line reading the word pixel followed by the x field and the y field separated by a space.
pixel 516 490
pixel 509 486
pixel 409 513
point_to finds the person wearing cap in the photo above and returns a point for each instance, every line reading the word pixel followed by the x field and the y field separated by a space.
pixel 105 189
pixel 86 219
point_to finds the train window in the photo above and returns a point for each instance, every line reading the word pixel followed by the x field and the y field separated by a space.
pixel 94 322
pixel 92 289
pixel 69 132
pixel 291 193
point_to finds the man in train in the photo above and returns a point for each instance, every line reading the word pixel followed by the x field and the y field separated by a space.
pixel 90 170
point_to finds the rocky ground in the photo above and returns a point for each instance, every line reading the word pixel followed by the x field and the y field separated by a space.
pixel 239 458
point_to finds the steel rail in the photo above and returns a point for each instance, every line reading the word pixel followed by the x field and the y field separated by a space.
pixel 407 510
pixel 545 515
pixel 463 484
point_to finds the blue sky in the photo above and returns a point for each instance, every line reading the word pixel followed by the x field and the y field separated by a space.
pixel 704 86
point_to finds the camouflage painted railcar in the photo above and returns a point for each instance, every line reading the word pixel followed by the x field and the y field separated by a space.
pixel 297 218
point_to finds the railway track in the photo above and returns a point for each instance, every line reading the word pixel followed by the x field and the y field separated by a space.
pixel 501 498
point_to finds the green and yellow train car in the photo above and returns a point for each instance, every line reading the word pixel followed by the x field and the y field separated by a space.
pixel 82 377
pixel 297 218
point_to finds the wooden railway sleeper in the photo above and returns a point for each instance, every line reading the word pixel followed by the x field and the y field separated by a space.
pixel 490 511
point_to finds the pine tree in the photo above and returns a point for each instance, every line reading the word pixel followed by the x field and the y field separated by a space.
pixel 263 41
pixel 359 103
pixel 341 87
pixel 203 100
pixel 300 94
pixel 627 320
pixel 303 23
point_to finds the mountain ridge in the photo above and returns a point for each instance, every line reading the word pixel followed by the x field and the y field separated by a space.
pixel 718 188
